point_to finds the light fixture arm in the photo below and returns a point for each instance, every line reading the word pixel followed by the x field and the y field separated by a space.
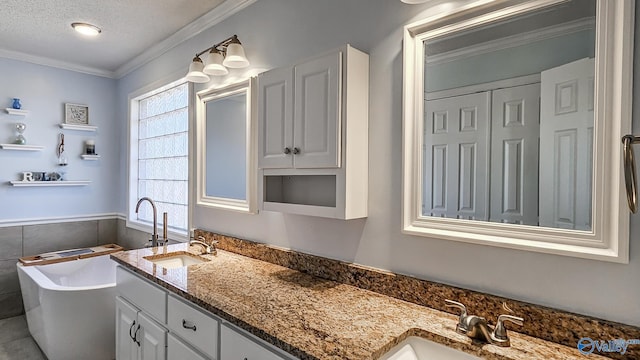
pixel 224 43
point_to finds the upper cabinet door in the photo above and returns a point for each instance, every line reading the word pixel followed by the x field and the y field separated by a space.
pixel 317 96
pixel 275 108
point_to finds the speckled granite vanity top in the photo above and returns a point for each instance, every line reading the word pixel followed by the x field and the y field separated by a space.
pixel 313 318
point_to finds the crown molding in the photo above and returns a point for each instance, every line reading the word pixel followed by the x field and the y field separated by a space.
pixel 60 64
pixel 213 17
pixel 514 40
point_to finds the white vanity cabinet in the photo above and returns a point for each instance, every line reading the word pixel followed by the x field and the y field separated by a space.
pixel 235 345
pixel 153 324
pixel 313 136
pixel 198 328
pixel 138 336
pixel 140 315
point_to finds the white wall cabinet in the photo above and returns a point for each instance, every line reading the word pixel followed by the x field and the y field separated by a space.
pixel 313 136
pixel 309 138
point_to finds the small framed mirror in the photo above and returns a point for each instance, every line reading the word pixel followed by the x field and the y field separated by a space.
pixel 225 148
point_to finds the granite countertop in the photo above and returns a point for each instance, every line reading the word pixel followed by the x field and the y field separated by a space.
pixel 314 318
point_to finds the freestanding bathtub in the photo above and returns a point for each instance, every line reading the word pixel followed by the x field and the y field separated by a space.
pixel 70 307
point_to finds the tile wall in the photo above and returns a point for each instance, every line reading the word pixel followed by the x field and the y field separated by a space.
pixel 18 241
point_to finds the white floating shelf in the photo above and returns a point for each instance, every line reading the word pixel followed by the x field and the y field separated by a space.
pixel 50 183
pixel 21 147
pixel 78 127
pixel 90 157
pixel 12 111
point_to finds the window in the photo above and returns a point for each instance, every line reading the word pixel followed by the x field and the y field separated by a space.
pixel 473 172
pixel 159 156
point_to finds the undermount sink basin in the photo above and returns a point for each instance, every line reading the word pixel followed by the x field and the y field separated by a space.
pixel 417 348
pixel 176 260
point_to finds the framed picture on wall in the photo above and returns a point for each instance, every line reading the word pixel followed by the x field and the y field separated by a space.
pixel 76 114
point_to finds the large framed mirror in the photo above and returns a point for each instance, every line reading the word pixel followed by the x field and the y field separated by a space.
pixel 225 148
pixel 513 113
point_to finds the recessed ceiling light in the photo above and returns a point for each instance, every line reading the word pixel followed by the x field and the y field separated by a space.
pixel 86 29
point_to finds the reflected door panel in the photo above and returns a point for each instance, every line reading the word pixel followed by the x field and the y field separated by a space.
pixel 566 145
pixel 515 126
pixel 456 133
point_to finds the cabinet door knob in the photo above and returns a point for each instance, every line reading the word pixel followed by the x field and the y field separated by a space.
pixel 191 327
pixel 287 151
pixel 296 151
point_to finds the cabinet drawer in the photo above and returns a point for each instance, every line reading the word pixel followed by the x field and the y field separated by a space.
pixel 176 349
pixel 234 345
pixel 196 327
pixel 143 294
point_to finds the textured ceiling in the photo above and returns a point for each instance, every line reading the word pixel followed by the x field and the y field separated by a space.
pixel 42 28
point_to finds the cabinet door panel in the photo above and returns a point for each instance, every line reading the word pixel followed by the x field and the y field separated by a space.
pixel 275 96
pixel 236 346
pixel 153 339
pixel 316 126
pixel 126 315
pixel 176 349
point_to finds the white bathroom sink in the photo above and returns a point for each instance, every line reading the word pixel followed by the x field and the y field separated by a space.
pixel 417 348
pixel 175 261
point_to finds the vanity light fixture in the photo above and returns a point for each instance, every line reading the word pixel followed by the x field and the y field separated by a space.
pixel 86 29
pixel 229 53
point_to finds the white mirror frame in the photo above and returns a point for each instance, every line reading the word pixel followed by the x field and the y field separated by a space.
pixel 250 205
pixel 609 238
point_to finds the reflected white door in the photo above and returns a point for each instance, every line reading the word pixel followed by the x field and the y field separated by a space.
pixel 515 126
pixel 455 152
pixel 566 145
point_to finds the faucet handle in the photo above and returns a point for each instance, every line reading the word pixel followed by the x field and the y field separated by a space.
pixel 500 332
pixel 462 323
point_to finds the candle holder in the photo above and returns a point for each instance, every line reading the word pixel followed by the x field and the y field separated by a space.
pixel 20 139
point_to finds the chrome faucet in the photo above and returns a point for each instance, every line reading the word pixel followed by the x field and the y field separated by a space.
pixel 208 249
pixel 154 236
pixel 477 328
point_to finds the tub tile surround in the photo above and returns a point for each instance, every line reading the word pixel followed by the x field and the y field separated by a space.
pixel 542 322
pixel 312 317
pixel 19 241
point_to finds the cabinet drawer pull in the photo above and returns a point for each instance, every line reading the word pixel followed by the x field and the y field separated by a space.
pixel 184 325
pixel 287 151
pixel 296 151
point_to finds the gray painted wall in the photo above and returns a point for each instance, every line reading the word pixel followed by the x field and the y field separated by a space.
pixel 280 32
